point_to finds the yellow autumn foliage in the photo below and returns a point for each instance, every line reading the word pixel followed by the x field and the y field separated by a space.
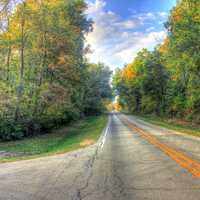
pixel 61 60
pixel 129 73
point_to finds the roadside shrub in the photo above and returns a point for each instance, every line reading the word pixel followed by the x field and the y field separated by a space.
pixel 10 130
pixel 149 105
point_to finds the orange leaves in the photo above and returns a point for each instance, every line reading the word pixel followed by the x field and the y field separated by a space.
pixel 177 16
pixel 61 60
pixel 6 36
pixel 129 73
pixel 51 66
pixel 178 12
pixel 117 106
pixel 164 47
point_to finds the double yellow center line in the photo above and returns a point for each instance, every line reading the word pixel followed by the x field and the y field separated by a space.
pixel 183 160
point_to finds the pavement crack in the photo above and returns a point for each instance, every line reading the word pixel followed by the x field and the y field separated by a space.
pixel 57 176
pixel 89 168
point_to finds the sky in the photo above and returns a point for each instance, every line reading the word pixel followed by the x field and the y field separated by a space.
pixel 123 27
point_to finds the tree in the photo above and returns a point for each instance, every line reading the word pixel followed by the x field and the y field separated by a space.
pixel 45 80
pixel 142 83
pixel 167 80
pixel 183 56
pixel 97 88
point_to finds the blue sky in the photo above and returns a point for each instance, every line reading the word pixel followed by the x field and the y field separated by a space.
pixel 124 27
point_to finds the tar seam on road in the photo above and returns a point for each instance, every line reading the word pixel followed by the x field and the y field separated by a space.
pixel 183 160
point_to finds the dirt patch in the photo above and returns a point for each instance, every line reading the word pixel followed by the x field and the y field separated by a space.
pixel 183 123
pixel 5 154
pixel 87 142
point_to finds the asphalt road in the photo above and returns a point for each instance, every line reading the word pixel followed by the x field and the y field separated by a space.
pixel 133 160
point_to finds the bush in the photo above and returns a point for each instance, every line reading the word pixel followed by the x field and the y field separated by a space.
pixel 178 106
pixel 11 130
pixel 149 105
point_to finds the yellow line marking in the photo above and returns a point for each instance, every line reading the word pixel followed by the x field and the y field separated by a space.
pixel 183 160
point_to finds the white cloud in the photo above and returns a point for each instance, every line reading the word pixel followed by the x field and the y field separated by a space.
pixel 149 16
pixel 116 41
pixel 128 24
pixel 128 50
pixel 145 16
pixel 163 14
pixel 151 28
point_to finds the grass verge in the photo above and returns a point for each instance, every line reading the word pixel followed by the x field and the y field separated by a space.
pixel 173 124
pixel 80 134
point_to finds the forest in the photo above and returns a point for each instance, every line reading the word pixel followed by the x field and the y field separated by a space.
pixel 45 78
pixel 166 81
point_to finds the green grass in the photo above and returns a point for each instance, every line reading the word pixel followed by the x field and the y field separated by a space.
pixel 59 141
pixel 187 128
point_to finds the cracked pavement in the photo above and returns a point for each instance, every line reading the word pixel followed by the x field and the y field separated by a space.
pixel 121 166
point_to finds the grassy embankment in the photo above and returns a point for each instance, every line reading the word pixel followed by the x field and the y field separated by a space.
pixel 75 136
pixel 174 124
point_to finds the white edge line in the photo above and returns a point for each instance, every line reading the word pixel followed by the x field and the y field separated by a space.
pixel 105 134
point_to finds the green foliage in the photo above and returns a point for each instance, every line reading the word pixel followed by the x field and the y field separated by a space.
pixel 97 87
pixel 148 105
pixel 10 130
pixel 141 85
pixel 58 141
pixel 45 80
pixel 167 80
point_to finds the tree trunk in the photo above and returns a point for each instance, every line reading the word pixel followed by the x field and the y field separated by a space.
pixel 21 83
pixel 8 63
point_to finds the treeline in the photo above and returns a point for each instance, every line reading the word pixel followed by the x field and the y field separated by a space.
pixel 45 80
pixel 166 81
